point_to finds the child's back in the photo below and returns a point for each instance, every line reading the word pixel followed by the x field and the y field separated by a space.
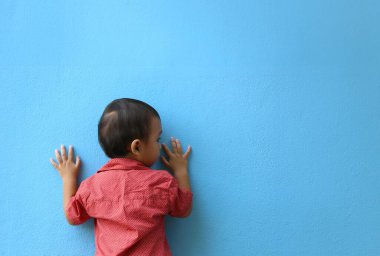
pixel 129 201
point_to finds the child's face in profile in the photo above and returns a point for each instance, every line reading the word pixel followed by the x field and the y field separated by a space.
pixel 152 146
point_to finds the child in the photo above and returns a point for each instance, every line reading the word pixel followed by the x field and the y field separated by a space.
pixel 127 199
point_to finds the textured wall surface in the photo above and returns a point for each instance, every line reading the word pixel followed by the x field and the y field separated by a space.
pixel 279 99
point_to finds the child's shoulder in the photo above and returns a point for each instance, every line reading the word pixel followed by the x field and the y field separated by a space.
pixel 163 174
pixel 88 180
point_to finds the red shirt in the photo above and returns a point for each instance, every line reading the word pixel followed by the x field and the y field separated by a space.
pixel 128 202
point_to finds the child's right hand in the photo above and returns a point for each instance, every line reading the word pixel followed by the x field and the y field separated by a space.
pixel 177 162
pixel 66 167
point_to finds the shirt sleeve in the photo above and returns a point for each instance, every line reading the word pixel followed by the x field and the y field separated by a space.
pixel 76 207
pixel 180 200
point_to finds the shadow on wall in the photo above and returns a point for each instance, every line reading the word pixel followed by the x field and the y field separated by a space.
pixel 190 227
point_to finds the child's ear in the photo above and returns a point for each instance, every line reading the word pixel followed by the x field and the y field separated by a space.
pixel 135 147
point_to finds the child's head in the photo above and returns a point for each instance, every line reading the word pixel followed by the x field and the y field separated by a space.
pixel 130 128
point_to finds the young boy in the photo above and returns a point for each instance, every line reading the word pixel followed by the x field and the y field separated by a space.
pixel 126 198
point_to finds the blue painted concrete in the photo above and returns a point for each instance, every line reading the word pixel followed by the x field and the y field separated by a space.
pixel 279 99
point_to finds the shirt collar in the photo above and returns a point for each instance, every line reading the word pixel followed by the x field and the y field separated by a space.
pixel 123 164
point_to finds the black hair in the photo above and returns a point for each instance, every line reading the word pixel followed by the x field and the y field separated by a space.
pixel 123 121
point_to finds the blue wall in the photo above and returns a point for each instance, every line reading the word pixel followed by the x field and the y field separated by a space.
pixel 279 99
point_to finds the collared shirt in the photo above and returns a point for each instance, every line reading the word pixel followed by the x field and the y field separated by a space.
pixel 128 202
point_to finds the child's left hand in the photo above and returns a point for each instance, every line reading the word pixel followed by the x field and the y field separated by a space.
pixel 66 167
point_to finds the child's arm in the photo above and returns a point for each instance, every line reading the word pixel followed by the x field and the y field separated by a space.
pixel 177 163
pixel 68 170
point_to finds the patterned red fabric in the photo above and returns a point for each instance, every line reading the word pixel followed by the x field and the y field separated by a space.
pixel 129 201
